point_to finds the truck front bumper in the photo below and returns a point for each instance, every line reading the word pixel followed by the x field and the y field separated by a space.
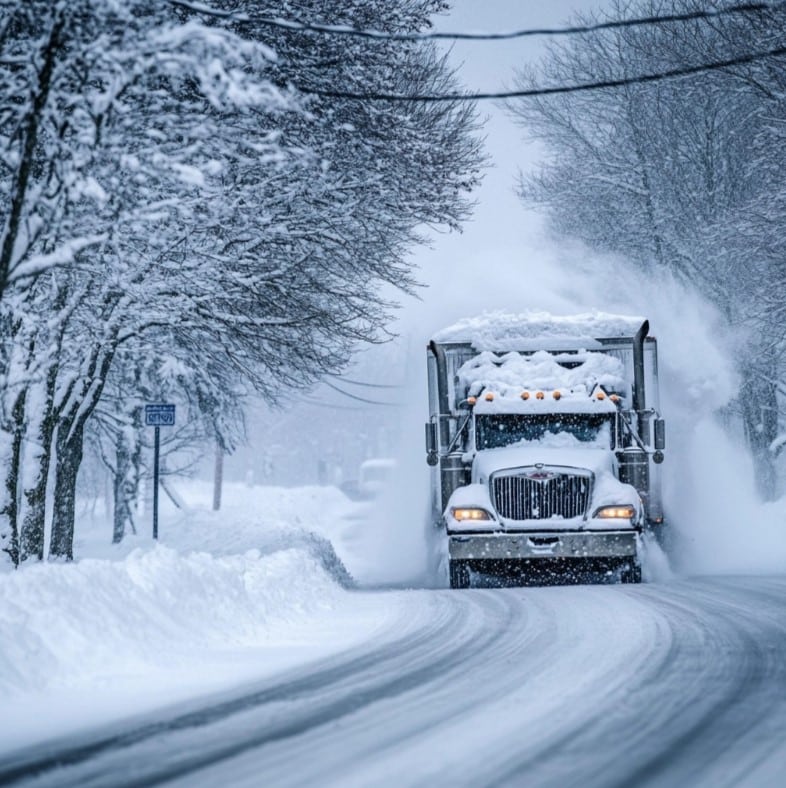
pixel 570 544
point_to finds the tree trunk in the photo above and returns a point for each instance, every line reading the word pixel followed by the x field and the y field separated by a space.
pixel 30 137
pixel 127 474
pixel 218 476
pixel 124 487
pixel 69 441
pixel 759 403
pixel 9 544
pixel 122 509
pixel 31 536
pixel 33 527
pixel 9 514
pixel 67 462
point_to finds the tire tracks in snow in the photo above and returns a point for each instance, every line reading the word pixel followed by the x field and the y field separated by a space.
pixel 178 745
pixel 657 685
pixel 699 714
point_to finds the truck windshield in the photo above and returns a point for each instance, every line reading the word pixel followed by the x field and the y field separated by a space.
pixel 506 429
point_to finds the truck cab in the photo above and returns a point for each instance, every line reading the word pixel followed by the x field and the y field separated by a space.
pixel 545 440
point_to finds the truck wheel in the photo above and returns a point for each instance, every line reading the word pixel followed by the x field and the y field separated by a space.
pixel 459 574
pixel 632 574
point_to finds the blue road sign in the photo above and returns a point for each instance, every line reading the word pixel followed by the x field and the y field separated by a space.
pixel 160 415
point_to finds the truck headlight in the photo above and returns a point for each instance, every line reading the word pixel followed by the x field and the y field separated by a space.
pixel 616 512
pixel 469 513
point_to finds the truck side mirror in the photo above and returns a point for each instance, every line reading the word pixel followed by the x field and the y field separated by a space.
pixel 660 434
pixel 431 443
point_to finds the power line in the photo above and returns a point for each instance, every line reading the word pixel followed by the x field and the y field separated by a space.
pixel 361 399
pixel 683 71
pixel 381 35
pixel 367 385
pixel 331 405
pixel 313 27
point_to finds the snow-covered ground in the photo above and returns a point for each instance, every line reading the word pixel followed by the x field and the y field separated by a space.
pixel 250 636
pixel 224 597
pixel 605 686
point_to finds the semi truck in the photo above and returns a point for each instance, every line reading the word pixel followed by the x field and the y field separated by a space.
pixel 545 441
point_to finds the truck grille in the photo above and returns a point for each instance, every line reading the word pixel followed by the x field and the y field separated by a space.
pixel 540 495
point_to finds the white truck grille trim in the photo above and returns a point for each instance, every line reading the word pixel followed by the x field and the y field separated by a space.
pixel 534 493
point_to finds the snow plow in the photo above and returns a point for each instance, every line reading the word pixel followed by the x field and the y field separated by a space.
pixel 545 441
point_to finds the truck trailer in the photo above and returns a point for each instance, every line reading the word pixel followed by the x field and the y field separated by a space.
pixel 545 440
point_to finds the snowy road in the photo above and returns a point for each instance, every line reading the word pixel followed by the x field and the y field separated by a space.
pixel 678 684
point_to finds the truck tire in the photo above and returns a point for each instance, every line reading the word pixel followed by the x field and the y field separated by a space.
pixel 632 574
pixel 459 574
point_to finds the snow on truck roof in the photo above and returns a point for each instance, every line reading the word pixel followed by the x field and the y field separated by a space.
pixel 503 331
pixel 542 382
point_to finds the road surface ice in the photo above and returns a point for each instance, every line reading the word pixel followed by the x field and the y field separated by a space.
pixel 659 685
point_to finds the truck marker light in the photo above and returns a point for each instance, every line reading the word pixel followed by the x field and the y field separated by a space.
pixel 557 395
pixel 525 395
pixel 540 395
pixel 616 512
pixel 471 400
pixel 489 396
pixel 600 395
pixel 469 513
pixel 615 399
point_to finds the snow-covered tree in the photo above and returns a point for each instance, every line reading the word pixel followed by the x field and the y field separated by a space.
pixel 186 198
pixel 671 174
pixel 105 128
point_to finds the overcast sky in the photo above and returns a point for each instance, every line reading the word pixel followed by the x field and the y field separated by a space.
pixel 502 259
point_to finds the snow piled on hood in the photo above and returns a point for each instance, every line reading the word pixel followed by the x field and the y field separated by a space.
pixel 533 329
pixel 488 461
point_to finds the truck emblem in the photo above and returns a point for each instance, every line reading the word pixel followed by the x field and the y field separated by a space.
pixel 541 476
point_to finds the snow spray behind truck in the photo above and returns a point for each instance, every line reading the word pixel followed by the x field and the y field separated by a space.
pixel 545 440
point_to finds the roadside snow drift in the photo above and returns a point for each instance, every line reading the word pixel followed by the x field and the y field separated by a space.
pixel 61 624
pixel 226 598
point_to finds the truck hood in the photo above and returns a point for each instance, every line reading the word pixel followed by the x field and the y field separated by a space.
pixel 599 461
pixel 607 490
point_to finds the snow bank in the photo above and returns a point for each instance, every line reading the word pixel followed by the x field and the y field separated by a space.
pixel 379 541
pixel 251 518
pixel 531 330
pixel 84 623
pixel 226 598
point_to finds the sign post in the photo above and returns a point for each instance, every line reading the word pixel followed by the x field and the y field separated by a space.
pixel 158 416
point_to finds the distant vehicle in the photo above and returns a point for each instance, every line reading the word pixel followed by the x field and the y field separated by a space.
pixel 545 438
pixel 374 476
